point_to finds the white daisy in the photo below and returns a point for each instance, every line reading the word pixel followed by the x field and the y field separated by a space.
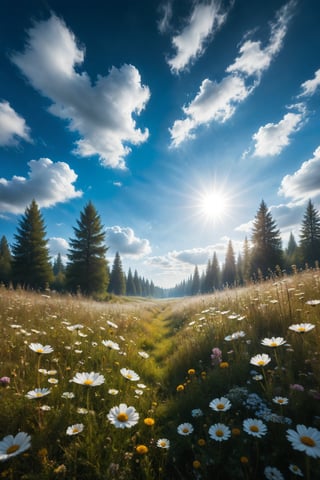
pixel 129 374
pixel 254 427
pixel 280 400
pixel 38 393
pixel 163 443
pixel 143 354
pixel 220 404
pixel 305 439
pixel 273 342
pixel 123 416
pixel 272 473
pixel 111 324
pixel 39 348
pixel 197 412
pixel 185 429
pixel 110 344
pixel 219 432
pixel 113 391
pixel 68 395
pixel 91 379
pixel 75 429
pixel 11 446
pixel 260 360
pixel 313 303
pixel 301 327
pixel 295 470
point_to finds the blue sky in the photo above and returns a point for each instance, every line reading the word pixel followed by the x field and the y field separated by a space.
pixel 174 118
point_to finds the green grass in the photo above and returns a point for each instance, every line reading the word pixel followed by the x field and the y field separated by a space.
pixel 168 343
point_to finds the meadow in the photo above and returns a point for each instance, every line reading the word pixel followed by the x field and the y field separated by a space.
pixel 223 386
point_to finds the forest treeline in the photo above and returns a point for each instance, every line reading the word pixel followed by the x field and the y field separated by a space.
pixel 27 263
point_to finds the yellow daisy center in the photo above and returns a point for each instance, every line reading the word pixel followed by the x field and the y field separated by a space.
pixel 301 329
pixel 75 430
pixel 260 362
pixel 219 433
pixel 220 406
pixel 12 449
pixel 129 376
pixel 88 381
pixel 307 441
pixel 280 400
pixel 254 428
pixel 39 394
pixel 273 344
pixel 163 444
pixel 40 350
pixel 122 417
pixel 185 430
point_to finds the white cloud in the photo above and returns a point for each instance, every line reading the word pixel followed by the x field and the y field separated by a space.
pixel 166 14
pixel 272 138
pixel 305 182
pixel 124 241
pixel 47 182
pixel 245 227
pixel 204 21
pixel 12 126
pixel 102 113
pixel 309 87
pixel 218 102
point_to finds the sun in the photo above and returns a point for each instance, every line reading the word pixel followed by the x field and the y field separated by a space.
pixel 213 205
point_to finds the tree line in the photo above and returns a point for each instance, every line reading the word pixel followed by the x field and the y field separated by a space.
pixel 261 258
pixel 28 264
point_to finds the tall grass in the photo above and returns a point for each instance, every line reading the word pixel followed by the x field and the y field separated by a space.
pixel 169 345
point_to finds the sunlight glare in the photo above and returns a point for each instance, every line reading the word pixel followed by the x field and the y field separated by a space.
pixel 213 205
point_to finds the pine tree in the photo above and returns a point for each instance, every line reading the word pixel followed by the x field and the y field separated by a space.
pixel 5 262
pixel 31 265
pixel 229 270
pixel 310 235
pixel 195 287
pixel 87 269
pixel 130 286
pixel 216 273
pixel 59 279
pixel 291 252
pixel 266 240
pixel 137 284
pixel 246 261
pixel 117 284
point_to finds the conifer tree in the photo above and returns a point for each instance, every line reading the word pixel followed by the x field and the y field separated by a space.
pixel 229 270
pixel 87 269
pixel 291 252
pixel 5 262
pixel 246 261
pixel 310 235
pixel 59 279
pixel 195 287
pixel 130 286
pixel 117 284
pixel 216 273
pixel 266 240
pixel 31 265
pixel 137 284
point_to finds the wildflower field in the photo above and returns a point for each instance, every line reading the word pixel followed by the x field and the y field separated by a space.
pixel 223 386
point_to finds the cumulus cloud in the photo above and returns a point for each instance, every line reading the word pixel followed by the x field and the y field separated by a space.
pixel 218 101
pixel 272 138
pixel 305 182
pixel 205 20
pixel 102 113
pixel 124 241
pixel 12 126
pixel 309 87
pixel 47 182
